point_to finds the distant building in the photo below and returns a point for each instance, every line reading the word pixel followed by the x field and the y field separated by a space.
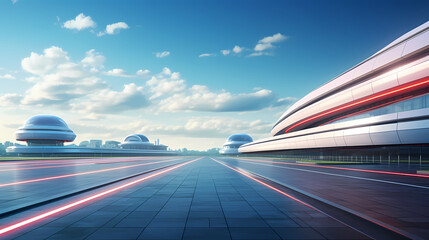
pixel 45 135
pixel 95 143
pixel 111 144
pixel 8 144
pixel 234 142
pixel 138 141
pixel 84 144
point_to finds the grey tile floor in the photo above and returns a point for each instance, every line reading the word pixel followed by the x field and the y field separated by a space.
pixel 202 200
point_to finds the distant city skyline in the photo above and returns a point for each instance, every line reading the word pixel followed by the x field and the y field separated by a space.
pixel 190 73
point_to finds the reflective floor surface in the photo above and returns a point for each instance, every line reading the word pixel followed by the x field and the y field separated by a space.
pixel 203 198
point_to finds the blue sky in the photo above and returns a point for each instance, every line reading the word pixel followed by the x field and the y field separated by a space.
pixel 186 99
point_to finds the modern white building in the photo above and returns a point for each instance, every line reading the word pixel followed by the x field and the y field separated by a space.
pixel 234 142
pixel 377 110
pixel 138 141
pixel 45 135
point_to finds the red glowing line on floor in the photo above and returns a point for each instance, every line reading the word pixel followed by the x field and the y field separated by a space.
pixel 78 174
pixel 69 165
pixel 377 96
pixel 341 168
pixel 82 201
pixel 267 185
pixel 306 204
pixel 30 163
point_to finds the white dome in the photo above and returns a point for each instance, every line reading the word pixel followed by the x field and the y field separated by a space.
pixel 45 130
pixel 136 141
pixel 136 138
pixel 234 142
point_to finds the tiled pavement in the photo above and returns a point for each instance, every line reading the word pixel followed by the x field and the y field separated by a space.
pixel 202 200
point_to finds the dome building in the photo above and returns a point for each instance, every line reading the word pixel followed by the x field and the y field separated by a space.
pixel 234 142
pixel 139 141
pixel 46 134
pixel 45 130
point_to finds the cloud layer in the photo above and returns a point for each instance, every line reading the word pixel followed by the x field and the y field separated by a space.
pixel 79 86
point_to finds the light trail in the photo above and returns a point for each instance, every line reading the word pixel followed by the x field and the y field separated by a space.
pixel 41 216
pixel 66 165
pixel 345 176
pixel 79 174
pixel 421 83
pixel 306 204
pixel 341 168
pixel 72 161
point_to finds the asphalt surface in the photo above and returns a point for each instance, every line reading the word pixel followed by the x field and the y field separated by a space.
pixel 199 198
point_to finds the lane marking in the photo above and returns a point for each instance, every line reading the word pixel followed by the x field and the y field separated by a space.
pixel 341 175
pixel 306 204
pixel 341 168
pixel 41 216
pixel 81 173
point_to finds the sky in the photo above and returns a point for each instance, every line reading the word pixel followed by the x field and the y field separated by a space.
pixel 189 73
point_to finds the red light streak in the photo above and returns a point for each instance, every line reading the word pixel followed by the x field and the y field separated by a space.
pixel 420 83
pixel 84 200
pixel 342 168
pixel 369 109
pixel 78 174
pixel 306 204
pixel 66 165
pixel 69 165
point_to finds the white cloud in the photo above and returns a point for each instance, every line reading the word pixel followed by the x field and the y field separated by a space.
pixel 165 86
pixel 7 76
pixel 166 71
pixel 57 79
pixel 267 42
pixel 143 73
pixel 14 1
pixel 80 22
pixel 94 60
pixel 207 127
pixel 114 28
pixel 10 100
pixel 162 54
pixel 200 98
pixel 255 54
pixel 263 46
pixel 278 37
pixel 42 64
pixel 237 49
pixel 207 55
pixel 108 101
pixel 225 52
pixel 117 72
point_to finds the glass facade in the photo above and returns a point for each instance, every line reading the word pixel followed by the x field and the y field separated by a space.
pixel 407 105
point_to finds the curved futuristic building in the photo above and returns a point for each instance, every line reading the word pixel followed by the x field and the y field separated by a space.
pixel 234 142
pixel 378 107
pixel 46 134
pixel 138 141
pixel 45 130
